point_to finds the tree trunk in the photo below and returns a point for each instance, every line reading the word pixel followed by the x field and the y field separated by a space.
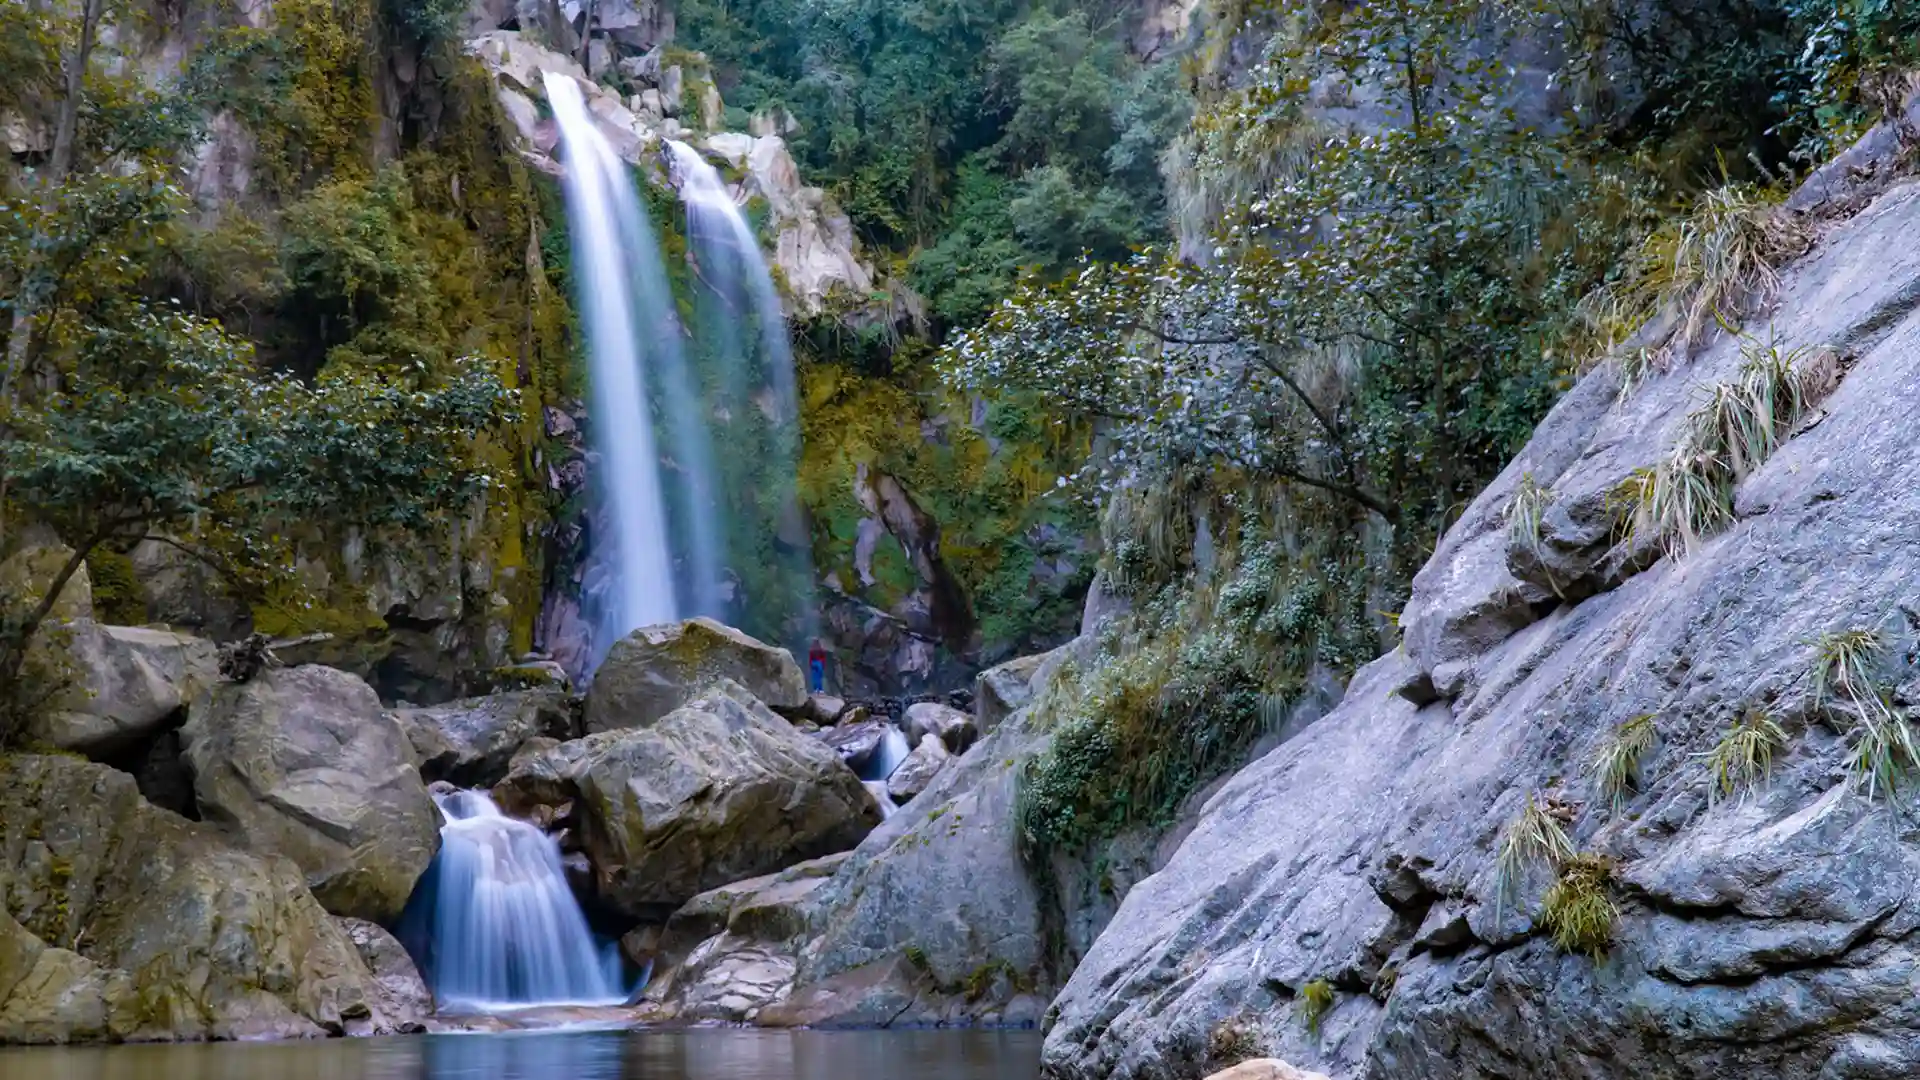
pixel 66 135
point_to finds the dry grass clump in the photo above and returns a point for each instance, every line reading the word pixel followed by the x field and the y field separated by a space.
pixel 1688 496
pixel 1743 756
pixel 1579 909
pixel 1846 682
pixel 1535 836
pixel 1704 265
pixel 1617 767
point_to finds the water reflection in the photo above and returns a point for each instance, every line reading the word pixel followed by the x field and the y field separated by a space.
pixel 580 1055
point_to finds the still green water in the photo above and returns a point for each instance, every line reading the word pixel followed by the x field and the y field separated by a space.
pixel 710 1054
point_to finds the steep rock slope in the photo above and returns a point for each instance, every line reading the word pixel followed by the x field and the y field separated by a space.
pixel 1771 934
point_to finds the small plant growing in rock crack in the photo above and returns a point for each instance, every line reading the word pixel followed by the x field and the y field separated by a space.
pixel 1845 682
pixel 1526 514
pixel 1234 1040
pixel 1384 983
pixel 1579 911
pixel 1743 755
pixel 1688 495
pixel 1533 837
pixel 1617 767
pixel 1316 1000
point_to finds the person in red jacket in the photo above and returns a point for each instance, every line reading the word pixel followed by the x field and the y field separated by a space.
pixel 817 667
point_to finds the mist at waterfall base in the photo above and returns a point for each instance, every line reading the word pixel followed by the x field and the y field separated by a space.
pixel 679 529
pixel 493 925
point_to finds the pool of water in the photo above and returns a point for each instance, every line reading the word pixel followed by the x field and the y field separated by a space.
pixel 709 1054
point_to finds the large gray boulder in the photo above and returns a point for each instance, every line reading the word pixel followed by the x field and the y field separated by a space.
pixel 951 726
pixel 303 762
pixel 129 682
pixel 472 742
pixel 716 791
pixel 1771 934
pixel 119 921
pixel 656 669
pixel 729 953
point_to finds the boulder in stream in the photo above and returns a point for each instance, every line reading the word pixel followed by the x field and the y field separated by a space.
pixel 472 742
pixel 718 790
pixel 919 769
pixel 122 921
pixel 303 762
pixel 656 669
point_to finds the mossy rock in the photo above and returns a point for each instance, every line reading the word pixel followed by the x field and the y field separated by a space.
pixel 657 669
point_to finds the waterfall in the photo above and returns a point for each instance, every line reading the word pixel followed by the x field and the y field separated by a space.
pixel 892 751
pixel 626 306
pixel 882 798
pixel 493 924
pixel 743 332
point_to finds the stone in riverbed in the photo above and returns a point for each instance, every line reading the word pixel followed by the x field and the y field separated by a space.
pixel 716 791
pixel 1266 1069
pixel 472 742
pixel 122 921
pixel 302 762
pixel 954 728
pixel 656 669
pixel 825 709
pixel 399 992
pixel 856 743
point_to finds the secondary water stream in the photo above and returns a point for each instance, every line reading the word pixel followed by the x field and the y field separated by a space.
pixel 494 925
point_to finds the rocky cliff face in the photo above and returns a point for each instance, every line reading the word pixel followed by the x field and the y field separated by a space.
pixel 1342 898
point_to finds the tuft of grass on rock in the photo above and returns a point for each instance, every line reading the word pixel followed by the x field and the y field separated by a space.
pixel 1535 836
pixel 1579 909
pixel 1616 768
pixel 1316 1000
pixel 1846 682
pixel 1525 514
pixel 1743 756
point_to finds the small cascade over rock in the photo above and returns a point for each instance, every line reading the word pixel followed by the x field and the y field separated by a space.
pixel 882 798
pixel 493 924
pixel 893 750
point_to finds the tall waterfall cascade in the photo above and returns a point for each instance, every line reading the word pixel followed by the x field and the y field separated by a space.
pixel 683 530
pixel 497 924
pixel 632 339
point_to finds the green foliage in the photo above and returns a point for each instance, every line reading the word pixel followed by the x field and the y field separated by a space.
pixel 1743 755
pixel 1183 687
pixel 1316 1000
pixel 1578 911
pixel 116 593
pixel 1534 837
pixel 917 115
pixel 1378 326
pixel 1616 768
